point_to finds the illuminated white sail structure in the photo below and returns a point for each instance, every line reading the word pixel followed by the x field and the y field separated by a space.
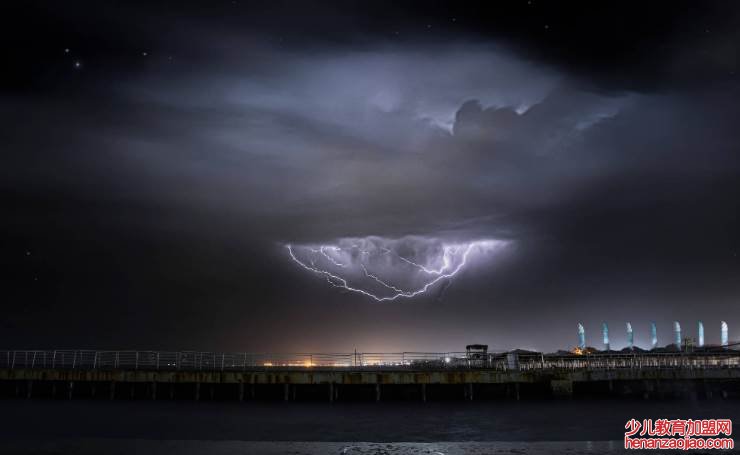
pixel 677 334
pixel 581 337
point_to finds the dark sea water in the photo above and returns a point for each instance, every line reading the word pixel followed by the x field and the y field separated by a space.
pixel 157 427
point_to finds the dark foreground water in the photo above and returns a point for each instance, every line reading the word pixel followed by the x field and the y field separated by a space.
pixel 558 427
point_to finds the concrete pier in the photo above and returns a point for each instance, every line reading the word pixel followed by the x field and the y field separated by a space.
pixel 311 384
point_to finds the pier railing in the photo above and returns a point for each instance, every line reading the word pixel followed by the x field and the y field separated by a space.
pixel 240 361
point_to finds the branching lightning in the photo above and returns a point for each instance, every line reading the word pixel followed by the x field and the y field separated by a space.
pixel 349 268
pixel 323 252
pixel 383 283
pixel 445 262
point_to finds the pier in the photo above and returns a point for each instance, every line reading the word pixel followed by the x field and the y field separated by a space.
pixel 159 375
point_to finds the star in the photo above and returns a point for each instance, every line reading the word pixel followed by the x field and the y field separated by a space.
pixel 144 54
pixel 66 50
pixel 28 253
pixel 78 65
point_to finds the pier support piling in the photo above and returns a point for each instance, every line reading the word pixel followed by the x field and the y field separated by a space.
pixel 561 388
pixel 469 391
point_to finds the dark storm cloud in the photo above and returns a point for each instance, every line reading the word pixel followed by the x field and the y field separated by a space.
pixel 165 184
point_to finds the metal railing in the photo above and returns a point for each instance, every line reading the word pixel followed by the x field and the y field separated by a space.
pixel 196 360
pixel 240 361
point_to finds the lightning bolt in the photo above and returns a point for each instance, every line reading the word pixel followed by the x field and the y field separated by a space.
pixel 383 283
pixel 445 262
pixel 447 271
pixel 323 249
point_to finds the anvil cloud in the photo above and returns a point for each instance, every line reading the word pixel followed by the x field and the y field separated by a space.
pixel 148 186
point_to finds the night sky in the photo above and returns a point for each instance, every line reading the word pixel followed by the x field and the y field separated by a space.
pixel 158 158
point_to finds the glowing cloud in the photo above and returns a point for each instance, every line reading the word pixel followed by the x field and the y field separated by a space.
pixel 389 269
